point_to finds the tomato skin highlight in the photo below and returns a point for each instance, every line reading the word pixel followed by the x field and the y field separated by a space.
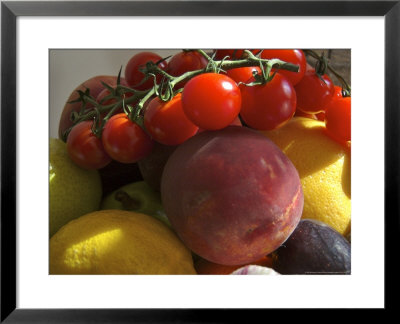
pixel 124 140
pixel 85 149
pixel 183 62
pixel 132 74
pixel 314 93
pixel 338 118
pixel 167 123
pixel 268 106
pixel 211 101
pixel 294 56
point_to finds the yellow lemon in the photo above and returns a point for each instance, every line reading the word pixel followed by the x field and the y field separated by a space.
pixel 118 242
pixel 73 191
pixel 324 168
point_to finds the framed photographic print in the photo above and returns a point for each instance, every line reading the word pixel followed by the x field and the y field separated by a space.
pixel 52 49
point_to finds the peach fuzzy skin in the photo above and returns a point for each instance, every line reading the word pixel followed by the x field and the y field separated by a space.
pixel 231 195
pixel 95 86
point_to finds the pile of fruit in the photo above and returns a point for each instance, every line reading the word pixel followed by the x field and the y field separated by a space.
pixel 206 162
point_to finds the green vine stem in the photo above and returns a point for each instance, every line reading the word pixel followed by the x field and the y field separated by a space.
pixel 167 83
pixel 322 60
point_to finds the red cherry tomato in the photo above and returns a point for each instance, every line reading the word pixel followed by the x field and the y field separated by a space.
pixel 132 74
pixel 124 140
pixel 314 92
pixel 167 123
pixel 338 118
pixel 242 74
pixel 211 101
pixel 294 56
pixel 85 148
pixel 184 62
pixel 269 106
pixel 337 92
pixel 232 54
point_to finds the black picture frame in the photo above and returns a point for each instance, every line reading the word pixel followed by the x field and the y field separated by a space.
pixel 10 10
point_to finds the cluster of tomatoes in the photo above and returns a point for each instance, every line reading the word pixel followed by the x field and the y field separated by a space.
pixel 210 101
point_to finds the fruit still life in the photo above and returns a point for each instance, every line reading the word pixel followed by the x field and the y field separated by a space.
pixel 205 162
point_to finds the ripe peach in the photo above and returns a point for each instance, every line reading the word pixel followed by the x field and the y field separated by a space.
pixel 231 195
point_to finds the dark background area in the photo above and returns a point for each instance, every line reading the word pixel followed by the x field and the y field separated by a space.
pixel 339 60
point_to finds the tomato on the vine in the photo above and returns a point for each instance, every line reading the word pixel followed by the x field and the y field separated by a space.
pixel 101 99
pixel 338 92
pixel 232 54
pixel 268 106
pixel 185 61
pixel 134 76
pixel 338 118
pixel 167 123
pixel 294 56
pixel 124 140
pixel 211 101
pixel 314 92
pixel 85 148
pixel 242 74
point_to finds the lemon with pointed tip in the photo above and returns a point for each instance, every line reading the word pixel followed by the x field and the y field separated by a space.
pixel 118 242
pixel 324 168
pixel 73 191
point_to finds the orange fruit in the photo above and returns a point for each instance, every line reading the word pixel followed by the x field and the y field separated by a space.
pixel 324 167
